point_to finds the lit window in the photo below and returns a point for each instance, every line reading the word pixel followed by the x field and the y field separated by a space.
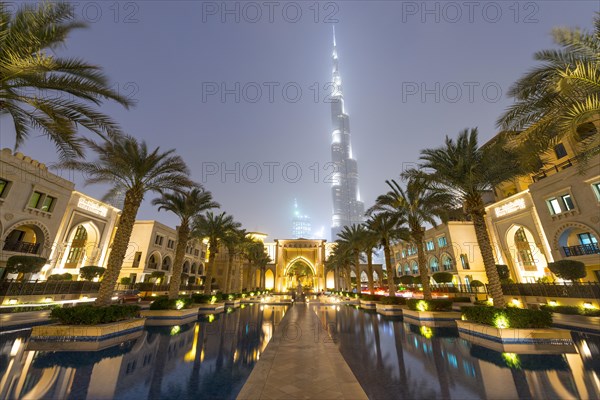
pixel 554 206
pixel 3 187
pixel 48 203
pixel 568 202
pixel 587 238
pixel 442 241
pixel 429 245
pixel 434 265
pixel 595 188
pixel 403 253
pixel 35 199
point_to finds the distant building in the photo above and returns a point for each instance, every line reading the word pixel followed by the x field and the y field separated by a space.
pixel 301 225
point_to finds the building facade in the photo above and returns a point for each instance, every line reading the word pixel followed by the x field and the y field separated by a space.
pixel 347 207
pixel 32 204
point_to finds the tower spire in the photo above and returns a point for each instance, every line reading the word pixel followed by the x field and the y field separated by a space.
pixel 333 26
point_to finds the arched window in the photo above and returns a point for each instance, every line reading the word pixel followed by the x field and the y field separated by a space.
pixel 152 262
pixel 434 264
pixel 406 269
pixel 77 250
pixel 415 267
pixel 447 262
pixel 524 254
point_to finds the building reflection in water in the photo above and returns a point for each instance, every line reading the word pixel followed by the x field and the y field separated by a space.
pixel 392 359
pixel 211 358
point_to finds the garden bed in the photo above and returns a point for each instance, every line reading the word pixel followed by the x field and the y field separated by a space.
pixel 390 310
pixel 577 322
pixel 170 317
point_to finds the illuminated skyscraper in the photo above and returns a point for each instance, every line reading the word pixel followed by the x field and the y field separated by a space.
pixel 347 207
pixel 301 226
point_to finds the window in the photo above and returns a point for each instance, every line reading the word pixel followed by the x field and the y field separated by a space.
pixel 170 243
pixel 567 201
pixel 4 187
pixel 429 245
pixel 406 269
pixel 404 250
pixel 524 254
pixel 595 188
pixel 415 268
pixel 48 203
pixel 447 263
pixel 158 240
pixel 196 252
pixel 464 261
pixel 35 199
pixel 560 151
pixel 136 259
pixel 442 241
pixel 434 265
pixel 587 238
pixel 554 206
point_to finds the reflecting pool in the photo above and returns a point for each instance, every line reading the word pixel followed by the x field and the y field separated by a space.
pixel 393 359
pixel 211 359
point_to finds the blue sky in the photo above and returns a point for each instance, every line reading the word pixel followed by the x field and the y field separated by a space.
pixel 412 73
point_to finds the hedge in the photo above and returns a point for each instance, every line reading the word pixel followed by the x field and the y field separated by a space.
pixel 204 298
pixel 432 305
pixel 61 277
pixel 572 310
pixel 518 318
pixel 371 297
pixel 91 315
pixel 458 299
pixel 395 300
pixel 164 303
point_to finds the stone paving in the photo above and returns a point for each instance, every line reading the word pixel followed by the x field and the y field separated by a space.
pixel 301 362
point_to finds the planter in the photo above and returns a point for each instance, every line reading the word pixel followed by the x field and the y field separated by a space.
pixel 233 303
pixel 170 317
pixel 435 319
pixel 390 309
pixel 251 300
pixel 84 337
pixel 368 304
pixel 577 322
pixel 458 306
pixel 210 308
pixel 529 341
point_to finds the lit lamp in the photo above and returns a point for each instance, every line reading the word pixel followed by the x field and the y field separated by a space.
pixel 552 303
pixel 588 306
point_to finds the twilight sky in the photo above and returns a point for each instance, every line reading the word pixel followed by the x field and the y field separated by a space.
pixel 241 92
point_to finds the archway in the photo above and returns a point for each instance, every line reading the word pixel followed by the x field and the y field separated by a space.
pixel 527 258
pixel 166 264
pixel 82 247
pixel 26 237
pixel 330 281
pixel 577 240
pixel 154 260
pixel 300 272
pixel 269 280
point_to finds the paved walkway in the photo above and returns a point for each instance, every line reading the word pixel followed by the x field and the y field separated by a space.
pixel 16 320
pixel 301 362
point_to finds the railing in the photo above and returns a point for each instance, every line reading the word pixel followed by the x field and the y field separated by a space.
pixel 581 250
pixel 22 247
pixel 152 265
pixel 563 165
pixel 586 290
pixel 462 288
pixel 29 288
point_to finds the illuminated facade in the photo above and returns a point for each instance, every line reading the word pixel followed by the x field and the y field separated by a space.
pixel 301 225
pixel 347 207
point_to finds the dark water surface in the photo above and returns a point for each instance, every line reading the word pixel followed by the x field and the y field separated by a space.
pixel 212 359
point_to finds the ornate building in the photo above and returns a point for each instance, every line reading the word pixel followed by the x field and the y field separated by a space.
pixel 347 207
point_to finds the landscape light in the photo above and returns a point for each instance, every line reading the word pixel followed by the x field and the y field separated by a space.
pixel 512 360
pixel 175 330
pixel 426 331
pixel 501 322
pixel 179 304
pixel 552 303
pixel 422 305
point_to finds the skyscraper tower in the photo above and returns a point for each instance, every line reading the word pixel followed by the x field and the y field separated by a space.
pixel 347 207
pixel 301 226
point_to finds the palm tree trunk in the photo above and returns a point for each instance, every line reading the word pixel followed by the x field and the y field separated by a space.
pixel 182 239
pixel 489 263
pixel 422 266
pixel 357 265
pixel 119 248
pixel 388 264
pixel 229 271
pixel 370 271
pixel 209 273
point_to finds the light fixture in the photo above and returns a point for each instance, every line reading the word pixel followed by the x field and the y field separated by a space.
pixel 501 322
pixel 12 301
pixel 588 306
pixel 552 303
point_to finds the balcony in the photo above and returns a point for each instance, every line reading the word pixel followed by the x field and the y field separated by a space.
pixel 152 266
pixel 581 250
pixel 22 247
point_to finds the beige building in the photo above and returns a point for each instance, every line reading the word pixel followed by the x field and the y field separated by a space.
pixel 450 247
pixel 84 236
pixel 32 204
pixel 152 249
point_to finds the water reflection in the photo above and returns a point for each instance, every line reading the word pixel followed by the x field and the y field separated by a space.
pixel 395 360
pixel 211 358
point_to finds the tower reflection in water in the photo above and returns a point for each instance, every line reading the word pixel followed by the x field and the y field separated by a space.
pixel 393 359
pixel 211 358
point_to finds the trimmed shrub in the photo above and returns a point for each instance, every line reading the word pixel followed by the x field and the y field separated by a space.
pixel 61 277
pixel 395 300
pixel 91 315
pixel 443 277
pixel 476 284
pixel 90 272
pixel 164 303
pixel 406 280
pixel 24 264
pixel 518 318
pixel 371 297
pixel 125 280
pixel 432 305
pixel 204 298
pixel 568 269
pixel 503 271
pixel 463 299
pixel 416 280
pixel 572 310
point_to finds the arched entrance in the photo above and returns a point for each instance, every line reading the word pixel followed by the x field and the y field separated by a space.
pixel 300 272
pixel 528 259
pixel 82 247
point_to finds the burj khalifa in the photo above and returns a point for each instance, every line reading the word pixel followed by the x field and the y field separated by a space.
pixel 347 207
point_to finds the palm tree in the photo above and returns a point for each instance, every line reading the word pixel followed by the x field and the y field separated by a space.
pixel 215 228
pixel 233 241
pixel 370 241
pixel 467 170
pixel 185 206
pixel 41 91
pixel 419 204
pixel 351 237
pixel 556 98
pixel 128 166
pixel 386 227
pixel 339 261
pixel 261 259
pixel 254 252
